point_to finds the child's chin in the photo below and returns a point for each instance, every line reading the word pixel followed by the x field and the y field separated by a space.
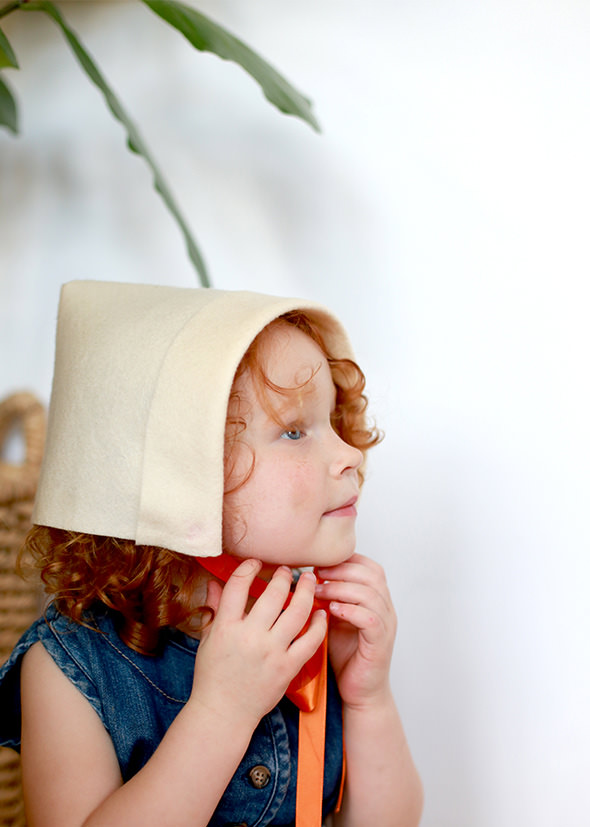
pixel 335 557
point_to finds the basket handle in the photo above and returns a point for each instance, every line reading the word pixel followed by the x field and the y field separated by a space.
pixel 26 412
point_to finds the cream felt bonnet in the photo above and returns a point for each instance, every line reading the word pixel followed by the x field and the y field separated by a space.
pixel 138 406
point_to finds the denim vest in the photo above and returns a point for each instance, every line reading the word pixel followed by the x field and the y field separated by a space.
pixel 138 696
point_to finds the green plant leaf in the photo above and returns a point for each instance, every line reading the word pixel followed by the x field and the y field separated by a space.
pixel 7 56
pixel 208 36
pixel 8 110
pixel 134 140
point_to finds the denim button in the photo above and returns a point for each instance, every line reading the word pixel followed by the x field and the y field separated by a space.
pixel 259 776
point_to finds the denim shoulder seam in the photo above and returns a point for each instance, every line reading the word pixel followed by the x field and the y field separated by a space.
pixel 85 683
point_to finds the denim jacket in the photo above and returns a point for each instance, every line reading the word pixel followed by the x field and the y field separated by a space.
pixel 138 696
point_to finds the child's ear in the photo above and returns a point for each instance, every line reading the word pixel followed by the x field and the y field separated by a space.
pixel 214 590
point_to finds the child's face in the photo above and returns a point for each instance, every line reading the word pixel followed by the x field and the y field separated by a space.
pixel 297 506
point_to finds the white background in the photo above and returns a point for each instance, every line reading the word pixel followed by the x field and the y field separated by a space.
pixel 443 214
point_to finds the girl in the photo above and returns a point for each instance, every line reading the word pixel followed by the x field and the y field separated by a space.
pixel 202 445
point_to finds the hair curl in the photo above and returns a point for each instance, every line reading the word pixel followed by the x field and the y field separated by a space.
pixel 151 588
pixel 349 417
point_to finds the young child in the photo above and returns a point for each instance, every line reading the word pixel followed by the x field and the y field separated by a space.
pixel 202 446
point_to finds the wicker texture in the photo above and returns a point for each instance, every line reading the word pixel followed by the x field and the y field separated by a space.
pixel 19 599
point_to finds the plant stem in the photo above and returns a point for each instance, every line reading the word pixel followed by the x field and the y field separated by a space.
pixel 15 4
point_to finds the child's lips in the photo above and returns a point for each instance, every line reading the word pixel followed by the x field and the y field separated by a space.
pixel 347 509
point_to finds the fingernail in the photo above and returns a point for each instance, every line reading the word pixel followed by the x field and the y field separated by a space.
pixel 309 575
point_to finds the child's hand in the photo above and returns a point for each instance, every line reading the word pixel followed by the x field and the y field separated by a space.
pixel 245 662
pixel 362 629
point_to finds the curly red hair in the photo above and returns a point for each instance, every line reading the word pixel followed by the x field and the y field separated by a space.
pixel 349 417
pixel 152 588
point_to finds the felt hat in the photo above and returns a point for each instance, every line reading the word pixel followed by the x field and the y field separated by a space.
pixel 137 415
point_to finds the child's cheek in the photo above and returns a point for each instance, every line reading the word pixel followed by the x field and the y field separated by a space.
pixel 300 482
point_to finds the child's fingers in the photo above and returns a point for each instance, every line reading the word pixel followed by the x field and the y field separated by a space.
pixel 272 601
pixel 292 620
pixel 305 646
pixel 344 591
pixel 232 603
pixel 214 592
pixel 358 569
pixel 369 623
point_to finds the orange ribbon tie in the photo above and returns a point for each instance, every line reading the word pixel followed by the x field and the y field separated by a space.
pixel 308 691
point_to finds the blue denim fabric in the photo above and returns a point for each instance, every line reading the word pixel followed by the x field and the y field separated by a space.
pixel 137 697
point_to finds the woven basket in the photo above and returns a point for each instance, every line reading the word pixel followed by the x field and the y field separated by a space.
pixel 19 599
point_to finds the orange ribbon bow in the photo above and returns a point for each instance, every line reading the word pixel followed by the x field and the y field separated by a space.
pixel 308 691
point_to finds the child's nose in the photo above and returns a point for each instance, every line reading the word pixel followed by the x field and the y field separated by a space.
pixel 346 457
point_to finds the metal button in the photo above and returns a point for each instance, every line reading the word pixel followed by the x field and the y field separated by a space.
pixel 259 776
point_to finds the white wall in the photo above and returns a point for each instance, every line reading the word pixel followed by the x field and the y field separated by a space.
pixel 443 214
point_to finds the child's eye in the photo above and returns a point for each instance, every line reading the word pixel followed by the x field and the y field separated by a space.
pixel 292 433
